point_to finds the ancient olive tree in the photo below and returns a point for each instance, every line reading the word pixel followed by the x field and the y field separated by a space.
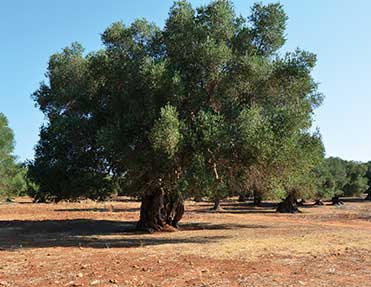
pixel 205 105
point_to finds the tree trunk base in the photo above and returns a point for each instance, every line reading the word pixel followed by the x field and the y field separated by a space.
pixel 257 201
pixel 284 207
pixel 336 201
pixel 242 198
pixel 288 205
pixel 368 197
pixel 217 207
pixel 160 211
pixel 319 202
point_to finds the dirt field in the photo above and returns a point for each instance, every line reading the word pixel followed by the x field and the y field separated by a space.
pixel 95 244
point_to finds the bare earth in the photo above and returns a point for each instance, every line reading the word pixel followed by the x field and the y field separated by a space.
pixel 95 244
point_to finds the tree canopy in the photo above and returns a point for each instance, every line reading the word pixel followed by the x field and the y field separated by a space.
pixel 205 105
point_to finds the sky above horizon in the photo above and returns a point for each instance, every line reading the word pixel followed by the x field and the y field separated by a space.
pixel 338 31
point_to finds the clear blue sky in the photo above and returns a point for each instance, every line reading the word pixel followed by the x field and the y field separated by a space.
pixel 338 31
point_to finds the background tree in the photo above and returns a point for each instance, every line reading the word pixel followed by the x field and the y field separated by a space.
pixel 357 182
pixel 324 183
pixel 337 169
pixel 12 181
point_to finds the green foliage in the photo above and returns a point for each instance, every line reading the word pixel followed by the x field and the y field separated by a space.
pixel 268 28
pixel 338 172
pixel 357 182
pixel 68 162
pixel 338 177
pixel 12 180
pixel 324 183
pixel 6 138
pixel 256 134
pixel 166 133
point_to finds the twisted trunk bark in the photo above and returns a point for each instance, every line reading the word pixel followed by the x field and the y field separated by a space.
pixel 160 211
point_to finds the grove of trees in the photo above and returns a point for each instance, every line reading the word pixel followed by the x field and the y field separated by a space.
pixel 337 177
pixel 206 106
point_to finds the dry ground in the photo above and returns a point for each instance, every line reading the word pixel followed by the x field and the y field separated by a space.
pixel 95 244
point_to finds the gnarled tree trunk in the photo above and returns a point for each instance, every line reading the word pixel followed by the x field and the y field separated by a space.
pixel 288 205
pixel 160 211
pixel 368 195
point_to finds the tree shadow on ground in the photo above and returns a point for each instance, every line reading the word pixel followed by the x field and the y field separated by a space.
pixel 353 199
pixel 227 226
pixel 240 207
pixel 90 233
pixel 98 209
pixel 266 207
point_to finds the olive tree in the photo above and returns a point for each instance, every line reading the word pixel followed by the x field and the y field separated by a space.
pixel 205 105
